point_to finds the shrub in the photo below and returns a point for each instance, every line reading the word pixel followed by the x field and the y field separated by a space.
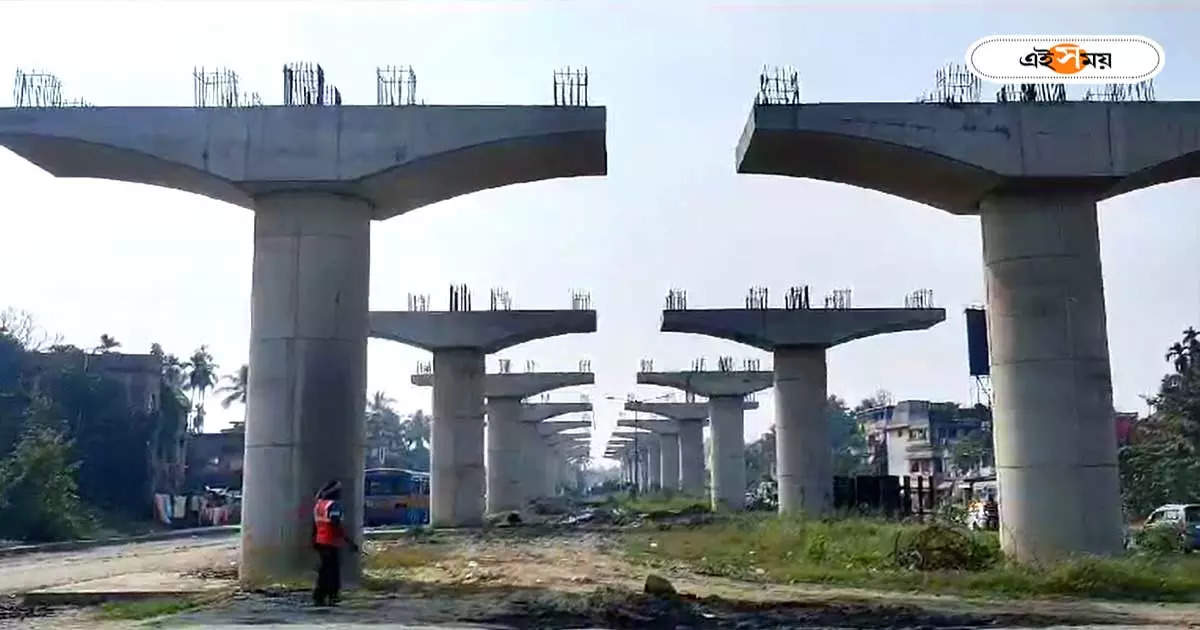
pixel 38 492
pixel 1159 540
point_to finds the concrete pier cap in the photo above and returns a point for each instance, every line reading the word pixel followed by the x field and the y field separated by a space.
pixel 486 332
pixel 520 384
pixel 394 158
pixel 953 156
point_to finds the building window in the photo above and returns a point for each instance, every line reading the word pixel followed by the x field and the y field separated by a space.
pixel 914 466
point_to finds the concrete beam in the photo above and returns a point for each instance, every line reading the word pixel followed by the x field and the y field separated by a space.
pixel 557 426
pixel 486 331
pixel 768 329
pixel 520 385
pixel 655 425
pixel 710 384
pixel 394 159
pixel 537 412
pixel 953 156
pixel 672 410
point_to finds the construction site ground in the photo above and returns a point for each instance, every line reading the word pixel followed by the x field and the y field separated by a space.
pixel 527 576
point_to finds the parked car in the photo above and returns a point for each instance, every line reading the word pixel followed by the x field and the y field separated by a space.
pixel 1182 517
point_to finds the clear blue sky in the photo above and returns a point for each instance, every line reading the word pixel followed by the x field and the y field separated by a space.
pixel 147 264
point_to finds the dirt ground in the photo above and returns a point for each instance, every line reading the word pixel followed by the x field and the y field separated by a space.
pixel 528 577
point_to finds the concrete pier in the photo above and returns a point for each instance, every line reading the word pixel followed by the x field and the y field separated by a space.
pixel 458 480
pixel 795 336
pixel 688 421
pixel 666 433
pixel 316 177
pixel 1034 173
pixel 691 455
pixel 726 392
pixel 505 460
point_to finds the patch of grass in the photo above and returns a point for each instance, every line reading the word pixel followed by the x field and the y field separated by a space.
pixel 145 608
pixel 661 502
pixel 862 552
pixel 393 557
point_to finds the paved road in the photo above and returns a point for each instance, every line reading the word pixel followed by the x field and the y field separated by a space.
pixel 39 570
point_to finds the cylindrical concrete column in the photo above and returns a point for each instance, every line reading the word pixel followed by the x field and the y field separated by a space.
pixel 668 446
pixel 503 454
pixel 643 467
pixel 802 448
pixel 307 389
pixel 654 462
pixel 550 477
pixel 456 458
pixel 532 460
pixel 728 465
pixel 691 456
pixel 1056 452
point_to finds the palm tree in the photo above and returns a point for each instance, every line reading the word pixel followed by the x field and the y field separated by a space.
pixel 382 427
pixel 107 344
pixel 1178 353
pixel 235 389
pixel 201 373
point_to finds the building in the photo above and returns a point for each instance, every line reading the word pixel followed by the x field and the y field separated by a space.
pixel 216 459
pixel 913 437
pixel 140 375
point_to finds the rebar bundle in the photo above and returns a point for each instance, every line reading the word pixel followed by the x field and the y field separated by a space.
pixel 757 298
pixel 581 300
pixel 501 300
pixel 647 365
pixel 1032 93
pixel 418 302
pixel 304 84
pixel 395 85
pixel 571 87
pixel 725 364
pixel 460 298
pixel 1124 92
pixel 220 87
pixel 921 298
pixel 778 86
pixel 953 83
pixel 838 298
pixel 505 366
pixel 797 297
pixel 41 89
pixel 676 300
pixel 585 365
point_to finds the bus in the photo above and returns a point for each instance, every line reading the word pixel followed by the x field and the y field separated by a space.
pixel 395 496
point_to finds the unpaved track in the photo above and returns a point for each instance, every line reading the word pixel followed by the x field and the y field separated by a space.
pixel 40 570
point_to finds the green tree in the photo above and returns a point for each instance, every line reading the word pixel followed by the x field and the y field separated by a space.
pixel 37 489
pixel 1162 464
pixel 972 451
pixel 201 376
pixel 846 439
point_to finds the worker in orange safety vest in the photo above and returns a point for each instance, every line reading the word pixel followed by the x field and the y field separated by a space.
pixel 329 536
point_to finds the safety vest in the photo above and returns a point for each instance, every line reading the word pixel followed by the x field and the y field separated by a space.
pixel 328 532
